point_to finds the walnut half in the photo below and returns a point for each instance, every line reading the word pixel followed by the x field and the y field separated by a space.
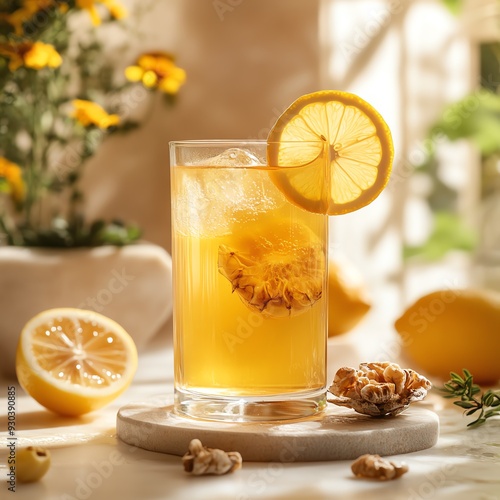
pixel 200 460
pixel 378 389
pixel 375 467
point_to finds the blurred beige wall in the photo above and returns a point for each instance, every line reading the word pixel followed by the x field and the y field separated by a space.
pixel 246 61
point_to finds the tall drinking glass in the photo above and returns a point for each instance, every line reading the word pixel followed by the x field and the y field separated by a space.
pixel 250 268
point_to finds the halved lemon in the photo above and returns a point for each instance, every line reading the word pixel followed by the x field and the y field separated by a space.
pixel 74 361
pixel 356 139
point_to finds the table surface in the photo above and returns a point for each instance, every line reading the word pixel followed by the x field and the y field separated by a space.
pixel 88 462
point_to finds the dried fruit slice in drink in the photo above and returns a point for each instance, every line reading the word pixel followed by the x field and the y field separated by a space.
pixel 278 273
pixel 356 139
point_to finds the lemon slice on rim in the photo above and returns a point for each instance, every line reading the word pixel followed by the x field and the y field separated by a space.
pixel 74 361
pixel 356 139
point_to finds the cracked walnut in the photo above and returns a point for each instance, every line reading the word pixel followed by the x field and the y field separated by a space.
pixel 378 389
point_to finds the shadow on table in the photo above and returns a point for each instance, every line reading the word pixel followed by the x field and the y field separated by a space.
pixel 44 419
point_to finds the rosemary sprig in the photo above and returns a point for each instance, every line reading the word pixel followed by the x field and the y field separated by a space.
pixel 488 403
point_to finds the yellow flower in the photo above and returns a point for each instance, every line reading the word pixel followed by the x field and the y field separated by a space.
pixel 116 9
pixel 157 70
pixel 26 12
pixel 42 55
pixel 35 55
pixel 89 113
pixel 13 175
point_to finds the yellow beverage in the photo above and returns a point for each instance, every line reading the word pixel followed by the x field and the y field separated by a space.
pixel 249 290
pixel 249 225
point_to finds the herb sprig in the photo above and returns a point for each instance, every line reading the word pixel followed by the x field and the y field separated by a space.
pixel 488 403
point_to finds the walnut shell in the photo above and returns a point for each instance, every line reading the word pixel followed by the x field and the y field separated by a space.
pixel 200 460
pixel 376 467
pixel 378 389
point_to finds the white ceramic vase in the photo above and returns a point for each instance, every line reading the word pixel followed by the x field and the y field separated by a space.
pixel 130 284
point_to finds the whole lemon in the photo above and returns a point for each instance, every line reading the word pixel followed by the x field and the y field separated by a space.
pixel 449 330
pixel 348 299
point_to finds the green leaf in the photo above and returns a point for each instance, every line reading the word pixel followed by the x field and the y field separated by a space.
pixel 449 232
pixel 116 233
pixel 456 377
pixel 9 237
pixel 491 413
pixel 455 6
pixel 475 389
pixel 471 412
pixel 474 117
pixel 126 127
pixel 488 398
pixel 464 404
pixel 486 134
pixel 4 185
pixel 468 381
pixel 477 422
pixel 96 227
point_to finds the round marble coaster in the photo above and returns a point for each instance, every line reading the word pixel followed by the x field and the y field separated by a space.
pixel 338 434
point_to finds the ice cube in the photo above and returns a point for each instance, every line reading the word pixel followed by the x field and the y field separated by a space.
pixel 213 201
pixel 233 157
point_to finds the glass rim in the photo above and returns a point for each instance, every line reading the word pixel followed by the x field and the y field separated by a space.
pixel 314 150
pixel 221 142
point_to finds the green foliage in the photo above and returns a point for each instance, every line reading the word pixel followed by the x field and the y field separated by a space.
pixel 489 64
pixel 475 117
pixel 455 6
pixel 470 399
pixel 38 133
pixel 449 232
pixel 76 233
pixel 4 187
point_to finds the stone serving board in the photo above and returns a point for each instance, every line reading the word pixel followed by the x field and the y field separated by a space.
pixel 338 434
